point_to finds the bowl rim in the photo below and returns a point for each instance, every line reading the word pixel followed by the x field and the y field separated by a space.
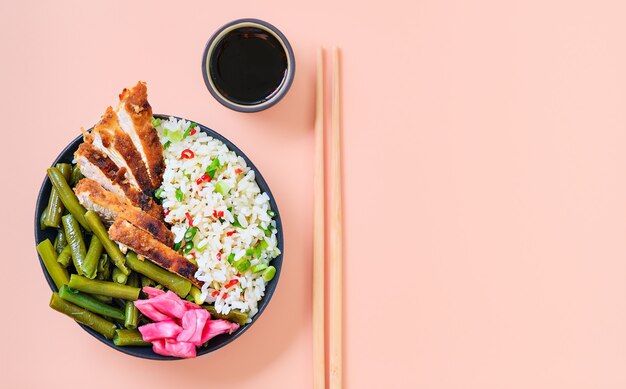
pixel 283 88
pixel 146 352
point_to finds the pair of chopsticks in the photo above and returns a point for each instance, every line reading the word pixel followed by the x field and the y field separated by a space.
pixel 336 234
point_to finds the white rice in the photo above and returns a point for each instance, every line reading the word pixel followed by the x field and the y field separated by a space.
pixel 244 201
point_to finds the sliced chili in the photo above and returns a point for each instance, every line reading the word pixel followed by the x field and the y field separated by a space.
pixel 187 154
pixel 231 283
pixel 189 219
pixel 215 293
pixel 204 177
pixel 230 233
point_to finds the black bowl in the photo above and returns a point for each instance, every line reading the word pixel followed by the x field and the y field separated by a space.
pixel 67 155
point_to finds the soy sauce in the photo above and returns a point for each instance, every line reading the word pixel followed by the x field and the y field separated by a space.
pixel 248 65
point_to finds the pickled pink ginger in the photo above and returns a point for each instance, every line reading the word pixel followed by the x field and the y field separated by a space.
pixel 179 325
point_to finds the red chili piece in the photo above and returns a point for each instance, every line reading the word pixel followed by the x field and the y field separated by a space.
pixel 224 296
pixel 217 214
pixel 238 171
pixel 215 293
pixel 167 212
pixel 231 283
pixel 187 154
pixel 204 177
pixel 229 233
pixel 189 219
pixel 219 256
pixel 193 131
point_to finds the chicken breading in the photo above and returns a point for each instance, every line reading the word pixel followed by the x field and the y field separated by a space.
pixel 99 167
pixel 135 118
pixel 146 245
pixel 108 137
pixel 110 207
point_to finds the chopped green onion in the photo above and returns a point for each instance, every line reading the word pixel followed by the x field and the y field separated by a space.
pixel 177 246
pixel 190 233
pixel 236 223
pixel 269 273
pixel 259 267
pixel 263 244
pixel 175 136
pixel 179 194
pixel 271 213
pixel 267 232
pixel 242 264
pixel 213 167
pixel 231 258
pixel 222 187
pixel 202 247
pixel 188 247
pixel 166 145
pixel 188 130
pixel 249 251
pixel 156 122
pixel 159 193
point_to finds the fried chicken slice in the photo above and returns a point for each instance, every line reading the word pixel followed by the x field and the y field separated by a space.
pixel 135 118
pixel 111 207
pixel 108 137
pixel 146 245
pixel 96 165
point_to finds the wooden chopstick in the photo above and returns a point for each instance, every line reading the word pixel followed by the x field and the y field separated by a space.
pixel 336 236
pixel 319 360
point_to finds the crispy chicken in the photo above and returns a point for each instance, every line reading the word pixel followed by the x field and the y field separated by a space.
pixel 99 167
pixel 108 137
pixel 110 207
pixel 135 117
pixel 148 246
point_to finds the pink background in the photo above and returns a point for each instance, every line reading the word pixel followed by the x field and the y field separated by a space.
pixel 485 191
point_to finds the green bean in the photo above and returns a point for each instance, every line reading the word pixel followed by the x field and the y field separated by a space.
pixel 83 316
pixel 234 315
pixel 90 303
pixel 104 270
pixel 66 170
pixel 118 276
pixel 129 338
pixel 93 257
pixel 145 281
pixel 76 242
pixel 103 299
pixel 131 316
pixel 60 242
pixel 41 218
pixel 133 280
pixel 77 175
pixel 65 257
pixel 49 257
pixel 171 281
pixel 195 293
pixel 69 199
pixel 104 288
pixel 111 247
pixel 55 208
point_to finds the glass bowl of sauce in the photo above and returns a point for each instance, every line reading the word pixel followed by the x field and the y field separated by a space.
pixel 248 65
